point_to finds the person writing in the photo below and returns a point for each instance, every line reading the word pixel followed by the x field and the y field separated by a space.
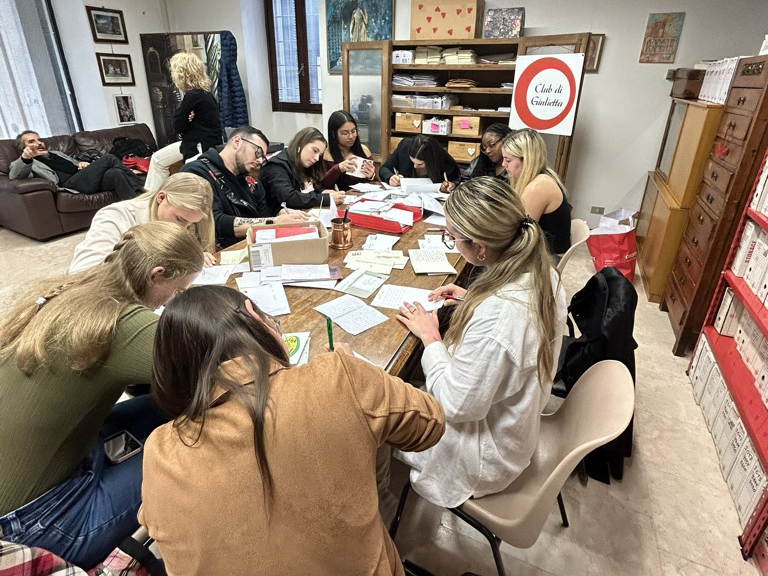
pixel 539 187
pixel 196 119
pixel 294 175
pixel 345 153
pixel 492 373
pixel 184 199
pixel 297 493
pixel 490 161
pixel 421 157
pixel 239 201
pixel 67 351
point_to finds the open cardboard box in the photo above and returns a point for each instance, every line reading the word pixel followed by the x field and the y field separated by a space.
pixel 310 251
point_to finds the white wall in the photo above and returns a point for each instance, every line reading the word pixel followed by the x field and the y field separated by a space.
pixel 96 102
pixel 624 106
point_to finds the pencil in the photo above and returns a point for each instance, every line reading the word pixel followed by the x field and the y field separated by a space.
pixel 329 325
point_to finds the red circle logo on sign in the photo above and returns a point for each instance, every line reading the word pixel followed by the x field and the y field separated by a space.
pixel 521 93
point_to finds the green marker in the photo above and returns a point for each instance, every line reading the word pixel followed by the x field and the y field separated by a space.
pixel 329 325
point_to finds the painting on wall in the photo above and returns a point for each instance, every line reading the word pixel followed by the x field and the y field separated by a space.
pixel 115 69
pixel 594 51
pixel 164 96
pixel 662 34
pixel 356 21
pixel 107 26
pixel 125 108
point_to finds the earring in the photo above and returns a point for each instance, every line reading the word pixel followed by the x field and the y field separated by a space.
pixel 481 257
pixel 298 150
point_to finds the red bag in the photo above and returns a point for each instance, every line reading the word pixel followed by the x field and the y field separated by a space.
pixel 614 248
pixel 136 163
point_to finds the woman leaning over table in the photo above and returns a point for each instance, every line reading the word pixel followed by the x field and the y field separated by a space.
pixel 493 372
pixel 283 458
pixel 184 199
pixel 421 157
pixel 67 352
pixel 540 188
pixel 344 147
pixel 292 178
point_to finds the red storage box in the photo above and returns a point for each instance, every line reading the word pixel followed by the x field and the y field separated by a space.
pixel 381 224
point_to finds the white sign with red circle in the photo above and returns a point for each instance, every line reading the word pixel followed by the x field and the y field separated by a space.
pixel 546 93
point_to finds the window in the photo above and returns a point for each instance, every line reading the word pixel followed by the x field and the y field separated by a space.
pixel 293 38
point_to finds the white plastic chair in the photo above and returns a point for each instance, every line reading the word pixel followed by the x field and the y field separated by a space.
pixel 579 235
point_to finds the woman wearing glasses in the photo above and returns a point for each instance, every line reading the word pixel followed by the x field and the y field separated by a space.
pixel 283 458
pixel 490 161
pixel 421 157
pixel 492 373
pixel 345 153
pixel 539 187
pixel 196 119
pixel 293 177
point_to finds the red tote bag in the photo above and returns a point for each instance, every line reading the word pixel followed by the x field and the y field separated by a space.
pixel 615 247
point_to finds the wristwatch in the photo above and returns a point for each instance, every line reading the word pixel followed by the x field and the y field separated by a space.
pixel 269 221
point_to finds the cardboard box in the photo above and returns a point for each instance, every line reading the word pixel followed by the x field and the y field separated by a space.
pixel 733 420
pixel 466 125
pixel 719 426
pixel 463 151
pixel 750 492
pixel 713 397
pixel 437 126
pixel 741 468
pixel 447 19
pixel 732 448
pixel 700 376
pixel 310 251
pixel 407 122
pixel 746 248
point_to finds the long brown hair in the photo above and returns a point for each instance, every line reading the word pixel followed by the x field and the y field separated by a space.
pixel 486 210
pixel 74 317
pixel 199 330
pixel 314 173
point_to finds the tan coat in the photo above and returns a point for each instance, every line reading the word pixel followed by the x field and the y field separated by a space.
pixel 204 503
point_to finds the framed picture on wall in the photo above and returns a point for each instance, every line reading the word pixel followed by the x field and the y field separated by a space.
pixel 125 108
pixel 116 69
pixel 107 26
pixel 356 21
pixel 594 51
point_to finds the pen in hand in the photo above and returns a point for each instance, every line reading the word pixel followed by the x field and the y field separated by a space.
pixel 452 297
pixel 329 325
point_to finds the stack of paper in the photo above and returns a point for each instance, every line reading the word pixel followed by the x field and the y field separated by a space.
pixel 233 256
pixel 380 242
pixel 424 80
pixel 460 83
pixel 366 187
pixel 376 261
pixel 459 56
pixel 393 296
pixel 435 242
pixel 430 262
pixel 304 272
pixel 351 314
pixel 298 347
pixel 428 55
pixel 411 185
pixel 361 283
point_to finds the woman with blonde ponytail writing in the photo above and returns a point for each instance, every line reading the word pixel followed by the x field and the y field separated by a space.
pixel 67 352
pixel 493 371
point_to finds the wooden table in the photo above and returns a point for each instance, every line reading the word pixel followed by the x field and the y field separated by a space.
pixel 388 345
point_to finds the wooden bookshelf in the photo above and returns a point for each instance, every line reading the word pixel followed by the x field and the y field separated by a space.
pixel 470 67
pixel 435 112
pixel 441 89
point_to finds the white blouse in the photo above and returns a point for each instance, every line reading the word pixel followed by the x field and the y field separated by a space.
pixel 489 389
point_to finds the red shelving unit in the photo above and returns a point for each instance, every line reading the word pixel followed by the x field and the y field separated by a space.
pixel 751 303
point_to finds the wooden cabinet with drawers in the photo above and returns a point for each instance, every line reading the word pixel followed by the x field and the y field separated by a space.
pixel 723 190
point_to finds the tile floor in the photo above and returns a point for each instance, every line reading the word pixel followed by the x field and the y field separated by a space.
pixel 670 516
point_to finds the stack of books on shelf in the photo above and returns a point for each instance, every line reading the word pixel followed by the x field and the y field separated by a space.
pixel 428 55
pixel 458 56
pixel 717 80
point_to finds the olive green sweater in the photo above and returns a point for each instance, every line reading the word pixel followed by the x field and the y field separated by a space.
pixel 51 419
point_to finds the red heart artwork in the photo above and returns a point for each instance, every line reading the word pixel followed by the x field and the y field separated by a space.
pixel 469 10
pixel 443 14
pixel 429 18
pixel 468 28
pixel 434 30
pixel 450 32
pixel 437 9
pixel 458 11
pixel 421 6
pixel 418 30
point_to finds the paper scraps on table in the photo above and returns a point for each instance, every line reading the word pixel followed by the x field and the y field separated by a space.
pixel 269 297
pixel 351 314
pixel 297 343
pixel 304 272
pixel 430 262
pixel 379 195
pixel 380 242
pixel 393 296
pixel 417 185
pixel 436 220
pixel 365 187
pixel 213 275
pixel 361 283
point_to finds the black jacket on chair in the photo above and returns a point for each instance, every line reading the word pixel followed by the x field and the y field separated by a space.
pixel 282 185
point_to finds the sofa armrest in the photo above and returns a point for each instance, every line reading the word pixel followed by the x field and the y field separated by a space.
pixel 26 185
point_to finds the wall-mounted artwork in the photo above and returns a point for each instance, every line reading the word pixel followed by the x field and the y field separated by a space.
pixel 594 51
pixel 125 108
pixel 107 26
pixel 115 69
pixel 356 21
pixel 662 34
pixel 504 23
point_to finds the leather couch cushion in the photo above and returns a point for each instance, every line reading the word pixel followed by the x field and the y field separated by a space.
pixel 68 202
pixel 8 152
pixel 104 139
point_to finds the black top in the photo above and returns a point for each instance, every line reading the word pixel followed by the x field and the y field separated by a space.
pixel 233 196
pixel 401 159
pixel 557 227
pixel 482 167
pixel 282 185
pixel 205 128
pixel 63 167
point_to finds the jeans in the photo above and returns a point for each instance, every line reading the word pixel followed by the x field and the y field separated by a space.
pixel 105 174
pixel 85 517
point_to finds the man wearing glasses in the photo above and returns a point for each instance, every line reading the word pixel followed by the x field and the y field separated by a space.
pixel 238 199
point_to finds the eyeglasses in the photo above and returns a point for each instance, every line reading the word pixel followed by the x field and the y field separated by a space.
pixel 489 146
pixel 450 240
pixel 259 151
pixel 352 132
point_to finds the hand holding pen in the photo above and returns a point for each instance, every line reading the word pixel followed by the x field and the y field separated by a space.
pixel 451 293
pixel 447 185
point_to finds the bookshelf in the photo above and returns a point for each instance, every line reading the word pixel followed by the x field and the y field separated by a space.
pixel 484 99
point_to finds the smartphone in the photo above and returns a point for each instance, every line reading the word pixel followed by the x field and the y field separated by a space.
pixel 121 446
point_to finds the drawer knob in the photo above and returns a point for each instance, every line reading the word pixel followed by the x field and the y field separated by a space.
pixel 687 261
pixel 731 125
pixel 710 198
pixel 695 242
pixel 673 298
pixel 700 219
pixel 741 100
pixel 681 280
pixel 727 151
pixel 713 175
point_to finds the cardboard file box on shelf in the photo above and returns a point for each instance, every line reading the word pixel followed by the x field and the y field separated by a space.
pixel 310 251
pixel 463 151
pixel 437 126
pixel 446 19
pixel 466 125
pixel 407 122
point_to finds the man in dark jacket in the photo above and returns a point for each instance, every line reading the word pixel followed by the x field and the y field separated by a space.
pixel 239 200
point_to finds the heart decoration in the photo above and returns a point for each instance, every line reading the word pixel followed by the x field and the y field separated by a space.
pixel 458 11
pixel 450 32
pixel 468 28
pixel 471 151
pixel 469 10
pixel 429 18
pixel 437 9
pixel 418 30
pixel 434 30
pixel 416 123
pixel 442 14
pixel 421 6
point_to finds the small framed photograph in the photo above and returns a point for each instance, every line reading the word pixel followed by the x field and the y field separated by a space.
pixel 125 108
pixel 116 69
pixel 107 26
pixel 594 51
